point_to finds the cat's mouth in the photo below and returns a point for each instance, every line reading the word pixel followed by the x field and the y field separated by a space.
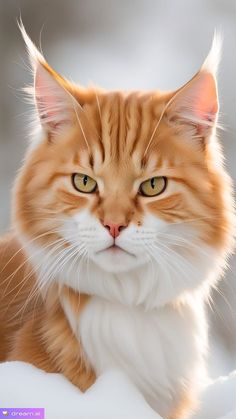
pixel 115 249
pixel 114 258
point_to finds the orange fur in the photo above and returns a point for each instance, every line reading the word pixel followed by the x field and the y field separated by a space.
pixel 117 125
pixel 187 404
pixel 37 332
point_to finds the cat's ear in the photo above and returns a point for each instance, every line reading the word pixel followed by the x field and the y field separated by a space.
pixel 55 104
pixel 195 106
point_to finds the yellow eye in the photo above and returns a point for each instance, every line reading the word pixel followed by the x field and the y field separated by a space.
pixel 154 186
pixel 84 183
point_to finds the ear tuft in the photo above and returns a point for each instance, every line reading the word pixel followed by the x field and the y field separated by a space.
pixel 34 55
pixel 196 103
pixel 212 61
pixel 55 104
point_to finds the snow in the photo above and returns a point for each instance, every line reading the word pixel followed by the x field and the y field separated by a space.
pixel 218 400
pixel 113 396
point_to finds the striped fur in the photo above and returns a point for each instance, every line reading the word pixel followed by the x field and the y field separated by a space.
pixel 174 245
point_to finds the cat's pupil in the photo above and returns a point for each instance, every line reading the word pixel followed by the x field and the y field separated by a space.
pixel 85 180
pixel 153 182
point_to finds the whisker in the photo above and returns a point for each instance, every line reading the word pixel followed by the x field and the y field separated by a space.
pixel 12 275
pixel 40 283
pixel 25 245
pixel 80 125
pixel 99 108
pixel 35 268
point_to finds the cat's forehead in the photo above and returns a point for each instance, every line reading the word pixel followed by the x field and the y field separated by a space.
pixel 125 135
pixel 119 127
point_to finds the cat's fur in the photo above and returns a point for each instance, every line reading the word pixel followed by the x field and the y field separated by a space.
pixel 70 305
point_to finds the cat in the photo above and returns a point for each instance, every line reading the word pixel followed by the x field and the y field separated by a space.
pixel 122 223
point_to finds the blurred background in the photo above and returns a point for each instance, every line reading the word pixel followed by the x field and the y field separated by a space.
pixel 131 44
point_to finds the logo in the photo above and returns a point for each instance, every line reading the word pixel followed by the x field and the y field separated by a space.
pixel 22 413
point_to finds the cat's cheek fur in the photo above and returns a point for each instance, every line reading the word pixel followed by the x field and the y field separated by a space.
pixel 137 278
pixel 124 278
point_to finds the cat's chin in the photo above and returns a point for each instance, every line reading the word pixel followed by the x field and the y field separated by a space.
pixel 114 259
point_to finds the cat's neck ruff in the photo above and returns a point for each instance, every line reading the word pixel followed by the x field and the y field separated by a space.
pixel 155 348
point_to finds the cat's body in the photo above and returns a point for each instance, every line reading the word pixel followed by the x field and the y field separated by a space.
pixel 125 215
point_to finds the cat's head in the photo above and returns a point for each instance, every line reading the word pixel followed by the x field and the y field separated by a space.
pixel 125 181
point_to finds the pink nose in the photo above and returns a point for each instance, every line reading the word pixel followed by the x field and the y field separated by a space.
pixel 114 228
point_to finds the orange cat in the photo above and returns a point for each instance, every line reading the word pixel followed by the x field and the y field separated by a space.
pixel 122 223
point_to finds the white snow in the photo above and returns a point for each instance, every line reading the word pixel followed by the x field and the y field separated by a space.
pixel 113 396
pixel 219 399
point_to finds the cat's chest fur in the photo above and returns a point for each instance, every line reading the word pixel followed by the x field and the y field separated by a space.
pixel 158 349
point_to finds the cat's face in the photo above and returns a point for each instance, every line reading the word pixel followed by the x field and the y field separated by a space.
pixel 124 180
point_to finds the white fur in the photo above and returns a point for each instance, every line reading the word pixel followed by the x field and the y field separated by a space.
pixel 164 261
pixel 158 348
pixel 212 61
pixel 146 314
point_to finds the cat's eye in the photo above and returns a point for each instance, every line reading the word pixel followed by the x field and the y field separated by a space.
pixel 84 183
pixel 153 186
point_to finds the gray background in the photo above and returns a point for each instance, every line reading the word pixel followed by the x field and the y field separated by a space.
pixel 118 44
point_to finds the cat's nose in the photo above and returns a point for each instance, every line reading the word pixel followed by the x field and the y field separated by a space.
pixel 114 228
